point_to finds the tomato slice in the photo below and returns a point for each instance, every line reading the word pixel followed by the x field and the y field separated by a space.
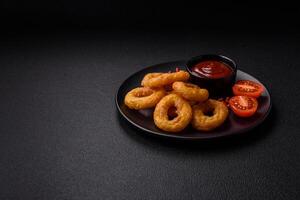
pixel 247 88
pixel 243 106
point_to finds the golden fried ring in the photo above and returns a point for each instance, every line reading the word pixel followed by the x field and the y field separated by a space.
pixel 172 111
pixel 191 102
pixel 201 121
pixel 190 91
pixel 183 111
pixel 150 76
pixel 143 97
pixel 162 79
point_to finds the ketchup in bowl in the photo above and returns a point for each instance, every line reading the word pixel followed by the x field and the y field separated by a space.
pixel 212 69
pixel 216 73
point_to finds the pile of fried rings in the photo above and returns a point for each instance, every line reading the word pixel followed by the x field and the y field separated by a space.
pixel 176 102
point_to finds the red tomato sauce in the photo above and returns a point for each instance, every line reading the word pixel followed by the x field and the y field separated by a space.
pixel 212 69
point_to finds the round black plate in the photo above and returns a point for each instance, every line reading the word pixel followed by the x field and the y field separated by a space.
pixel 143 119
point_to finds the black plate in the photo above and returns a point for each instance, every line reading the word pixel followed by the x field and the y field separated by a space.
pixel 143 119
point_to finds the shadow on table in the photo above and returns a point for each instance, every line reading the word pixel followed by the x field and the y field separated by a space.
pixel 218 144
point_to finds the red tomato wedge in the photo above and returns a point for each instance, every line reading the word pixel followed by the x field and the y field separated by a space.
pixel 247 88
pixel 243 106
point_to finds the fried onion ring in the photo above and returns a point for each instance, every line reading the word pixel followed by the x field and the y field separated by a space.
pixel 191 102
pixel 143 97
pixel 162 79
pixel 150 76
pixel 203 121
pixel 183 111
pixel 190 91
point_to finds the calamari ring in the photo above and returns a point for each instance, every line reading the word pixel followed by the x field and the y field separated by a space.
pixel 143 97
pixel 172 111
pixel 162 79
pixel 203 122
pixel 190 91
pixel 183 111
pixel 149 76
pixel 191 102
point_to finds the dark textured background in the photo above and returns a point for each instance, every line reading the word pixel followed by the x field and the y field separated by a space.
pixel 61 137
pixel 233 14
pixel 61 63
